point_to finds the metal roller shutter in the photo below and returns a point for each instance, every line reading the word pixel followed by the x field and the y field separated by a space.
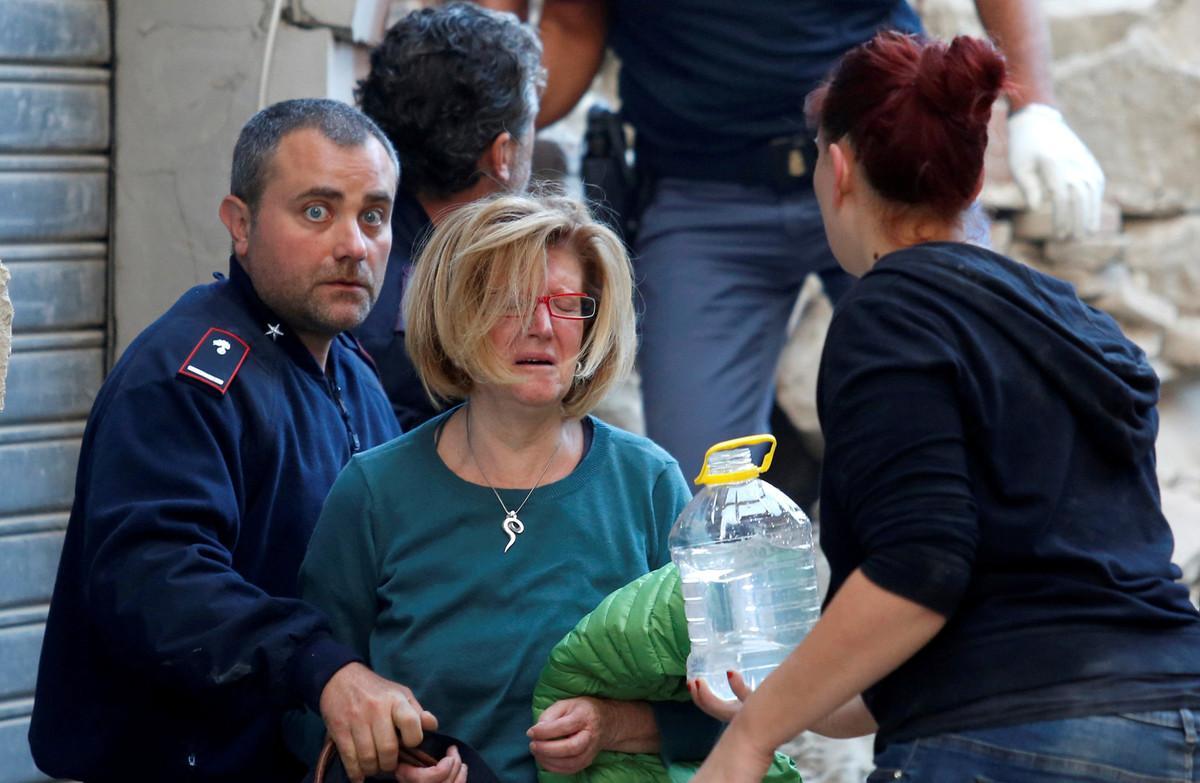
pixel 54 196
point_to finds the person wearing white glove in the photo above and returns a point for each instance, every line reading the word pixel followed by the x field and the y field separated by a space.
pixel 1048 161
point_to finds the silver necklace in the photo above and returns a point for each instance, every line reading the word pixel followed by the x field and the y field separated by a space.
pixel 512 526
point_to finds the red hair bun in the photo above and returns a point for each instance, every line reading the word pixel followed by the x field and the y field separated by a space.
pixel 916 112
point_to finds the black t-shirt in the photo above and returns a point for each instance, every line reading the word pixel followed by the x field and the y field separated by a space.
pixel 990 455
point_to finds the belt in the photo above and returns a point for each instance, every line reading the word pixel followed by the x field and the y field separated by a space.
pixel 784 163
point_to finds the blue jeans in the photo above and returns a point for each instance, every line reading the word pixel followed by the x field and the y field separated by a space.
pixel 718 268
pixel 1142 747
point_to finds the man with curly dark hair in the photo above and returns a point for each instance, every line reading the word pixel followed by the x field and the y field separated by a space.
pixel 456 89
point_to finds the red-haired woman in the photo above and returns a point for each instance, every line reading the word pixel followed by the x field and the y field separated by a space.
pixel 1003 602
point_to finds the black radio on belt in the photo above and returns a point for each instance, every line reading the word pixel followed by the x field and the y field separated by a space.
pixel 608 178
pixel 615 188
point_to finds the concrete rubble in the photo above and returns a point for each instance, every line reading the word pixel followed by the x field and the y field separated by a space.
pixel 1164 253
pixel 1181 343
pixel 797 374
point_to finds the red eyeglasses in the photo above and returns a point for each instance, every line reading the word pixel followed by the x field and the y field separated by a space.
pixel 571 306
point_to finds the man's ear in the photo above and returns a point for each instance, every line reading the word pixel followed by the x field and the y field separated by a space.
pixel 499 156
pixel 235 214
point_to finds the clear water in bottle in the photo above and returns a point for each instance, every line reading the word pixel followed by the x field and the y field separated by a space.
pixel 746 562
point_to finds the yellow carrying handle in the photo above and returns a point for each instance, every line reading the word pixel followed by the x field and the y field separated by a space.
pixel 738 475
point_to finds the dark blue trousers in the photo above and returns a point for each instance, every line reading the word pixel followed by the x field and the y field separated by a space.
pixel 719 267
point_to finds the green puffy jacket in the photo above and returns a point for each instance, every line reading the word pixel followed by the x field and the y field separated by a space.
pixel 633 646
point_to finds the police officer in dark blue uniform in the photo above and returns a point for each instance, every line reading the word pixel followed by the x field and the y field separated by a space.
pixel 175 639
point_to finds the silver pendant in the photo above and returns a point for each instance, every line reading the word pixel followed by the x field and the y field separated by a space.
pixel 512 527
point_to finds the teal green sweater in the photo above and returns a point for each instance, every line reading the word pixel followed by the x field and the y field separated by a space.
pixel 408 561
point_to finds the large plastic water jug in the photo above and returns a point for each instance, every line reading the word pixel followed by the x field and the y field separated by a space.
pixel 745 556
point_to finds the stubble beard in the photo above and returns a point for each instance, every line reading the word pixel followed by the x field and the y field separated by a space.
pixel 334 315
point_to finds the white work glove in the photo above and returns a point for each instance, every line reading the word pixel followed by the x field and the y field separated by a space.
pixel 1046 156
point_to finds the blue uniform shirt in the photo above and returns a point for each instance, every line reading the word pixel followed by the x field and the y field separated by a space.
pixel 709 77
pixel 175 637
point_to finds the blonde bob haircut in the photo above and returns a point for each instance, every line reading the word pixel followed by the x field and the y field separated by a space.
pixel 485 261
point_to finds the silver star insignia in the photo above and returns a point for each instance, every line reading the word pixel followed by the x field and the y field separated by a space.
pixel 273 331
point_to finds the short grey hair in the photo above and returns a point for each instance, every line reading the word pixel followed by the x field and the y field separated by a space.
pixel 341 123
pixel 444 83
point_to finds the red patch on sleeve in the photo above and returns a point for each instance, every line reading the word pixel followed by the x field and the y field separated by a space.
pixel 216 359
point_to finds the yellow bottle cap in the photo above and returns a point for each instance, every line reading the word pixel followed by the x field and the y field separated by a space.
pixel 738 475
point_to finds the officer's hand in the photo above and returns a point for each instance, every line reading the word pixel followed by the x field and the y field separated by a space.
pixel 363 712
pixel 450 769
pixel 1048 159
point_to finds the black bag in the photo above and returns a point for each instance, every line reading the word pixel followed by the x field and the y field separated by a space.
pixel 329 767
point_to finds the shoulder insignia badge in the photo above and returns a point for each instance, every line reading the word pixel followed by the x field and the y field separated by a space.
pixel 216 359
